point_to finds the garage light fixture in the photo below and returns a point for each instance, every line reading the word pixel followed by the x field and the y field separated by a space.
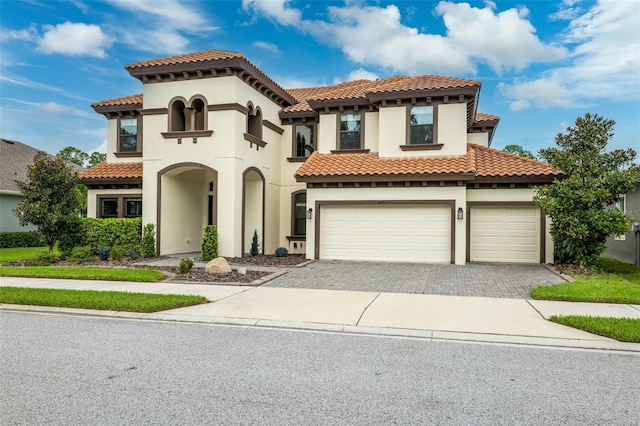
pixel 460 213
pixel 309 213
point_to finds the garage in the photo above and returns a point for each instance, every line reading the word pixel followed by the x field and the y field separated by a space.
pixel 386 232
pixel 505 234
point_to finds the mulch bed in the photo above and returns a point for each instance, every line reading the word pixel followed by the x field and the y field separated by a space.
pixel 200 275
pixel 268 260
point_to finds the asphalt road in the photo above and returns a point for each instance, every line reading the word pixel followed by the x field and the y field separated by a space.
pixel 59 369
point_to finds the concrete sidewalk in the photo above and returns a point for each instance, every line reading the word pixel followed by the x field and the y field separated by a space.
pixel 435 317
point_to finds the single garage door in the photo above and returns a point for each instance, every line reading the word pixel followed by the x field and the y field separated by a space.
pixel 388 232
pixel 505 234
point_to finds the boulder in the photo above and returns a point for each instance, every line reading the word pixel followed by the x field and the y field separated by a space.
pixel 242 271
pixel 219 265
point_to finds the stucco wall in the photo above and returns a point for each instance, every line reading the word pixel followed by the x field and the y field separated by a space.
pixel 480 138
pixel 627 249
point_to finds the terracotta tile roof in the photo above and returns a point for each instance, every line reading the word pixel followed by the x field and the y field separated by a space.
pixel 481 117
pixel 479 161
pixel 125 100
pixel 423 82
pixel 207 55
pixel 494 163
pixel 113 171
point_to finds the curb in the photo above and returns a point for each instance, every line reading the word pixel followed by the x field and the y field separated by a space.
pixel 607 345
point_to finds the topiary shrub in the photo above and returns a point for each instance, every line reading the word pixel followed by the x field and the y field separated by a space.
pixel 133 255
pixel 209 243
pixel 103 252
pixel 81 254
pixel 148 244
pixel 281 252
pixel 185 265
pixel 255 246
pixel 117 253
pixel 43 259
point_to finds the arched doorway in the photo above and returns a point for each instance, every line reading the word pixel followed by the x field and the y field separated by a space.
pixel 252 208
pixel 187 200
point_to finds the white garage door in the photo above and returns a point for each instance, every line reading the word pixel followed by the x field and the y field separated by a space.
pixel 505 234
pixel 389 232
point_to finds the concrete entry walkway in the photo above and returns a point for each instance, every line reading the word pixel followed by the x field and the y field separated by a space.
pixel 479 280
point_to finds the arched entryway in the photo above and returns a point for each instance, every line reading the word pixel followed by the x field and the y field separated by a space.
pixel 187 200
pixel 252 208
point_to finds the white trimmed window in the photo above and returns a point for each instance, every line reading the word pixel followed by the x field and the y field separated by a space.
pixel 621 204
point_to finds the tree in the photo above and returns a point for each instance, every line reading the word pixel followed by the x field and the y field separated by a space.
pixel 50 197
pixel 73 155
pixel 518 150
pixel 580 205
pixel 96 158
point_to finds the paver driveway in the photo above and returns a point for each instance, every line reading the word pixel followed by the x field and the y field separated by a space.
pixel 483 280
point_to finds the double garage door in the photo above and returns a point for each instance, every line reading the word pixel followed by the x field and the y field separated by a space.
pixel 386 232
pixel 505 234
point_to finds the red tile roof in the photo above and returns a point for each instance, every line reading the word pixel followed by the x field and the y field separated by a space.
pixel 125 100
pixel 207 55
pixel 113 171
pixel 479 161
pixel 481 117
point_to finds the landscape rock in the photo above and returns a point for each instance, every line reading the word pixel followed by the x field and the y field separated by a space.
pixel 242 271
pixel 219 265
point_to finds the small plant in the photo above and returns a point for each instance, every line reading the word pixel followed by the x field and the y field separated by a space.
pixel 81 254
pixel 255 246
pixel 209 243
pixel 117 252
pixel 185 265
pixel 43 259
pixel 103 252
pixel 281 252
pixel 133 255
pixel 148 245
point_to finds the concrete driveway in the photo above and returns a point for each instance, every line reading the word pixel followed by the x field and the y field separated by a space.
pixel 479 280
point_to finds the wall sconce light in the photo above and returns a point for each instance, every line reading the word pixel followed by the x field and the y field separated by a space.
pixel 460 213
pixel 309 213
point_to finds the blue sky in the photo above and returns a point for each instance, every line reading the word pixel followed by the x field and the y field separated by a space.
pixel 541 63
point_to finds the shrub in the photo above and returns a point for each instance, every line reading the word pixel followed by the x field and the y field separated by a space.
pixel 210 243
pixel 111 232
pixel 255 246
pixel 281 252
pixel 103 252
pixel 185 265
pixel 71 236
pixel 43 259
pixel 148 244
pixel 133 255
pixel 117 253
pixel 81 254
pixel 20 239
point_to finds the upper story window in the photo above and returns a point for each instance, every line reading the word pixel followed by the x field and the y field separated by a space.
pixel 421 125
pixel 350 133
pixel 304 142
pixel 128 135
pixel 254 122
pixel 187 116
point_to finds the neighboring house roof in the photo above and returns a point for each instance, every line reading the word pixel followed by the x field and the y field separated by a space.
pixel 16 158
pixel 480 163
pixel 113 173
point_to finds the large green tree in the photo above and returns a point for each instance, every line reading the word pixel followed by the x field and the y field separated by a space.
pixel 519 150
pixel 580 204
pixel 50 197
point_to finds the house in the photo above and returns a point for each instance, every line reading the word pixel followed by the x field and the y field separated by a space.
pixel 16 157
pixel 397 169
pixel 626 247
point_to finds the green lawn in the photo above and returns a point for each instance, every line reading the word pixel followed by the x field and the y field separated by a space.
pixel 23 253
pixel 622 329
pixel 102 300
pixel 83 273
pixel 618 283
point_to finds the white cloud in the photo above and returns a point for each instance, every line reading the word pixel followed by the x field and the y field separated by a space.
pixel 376 36
pixel 174 12
pixel 29 34
pixel 266 46
pixel 604 62
pixel 102 148
pixel 53 108
pixel 362 74
pixel 567 10
pixel 74 39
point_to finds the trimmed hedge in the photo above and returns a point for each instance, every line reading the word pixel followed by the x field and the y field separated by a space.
pixel 96 233
pixel 21 239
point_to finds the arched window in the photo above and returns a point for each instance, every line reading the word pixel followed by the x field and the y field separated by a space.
pixel 254 122
pixel 299 213
pixel 177 118
pixel 198 111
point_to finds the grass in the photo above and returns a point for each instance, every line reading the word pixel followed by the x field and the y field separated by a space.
pixel 83 273
pixel 101 300
pixel 621 329
pixel 618 283
pixel 23 253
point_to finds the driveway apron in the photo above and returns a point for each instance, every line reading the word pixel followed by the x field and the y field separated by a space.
pixel 479 280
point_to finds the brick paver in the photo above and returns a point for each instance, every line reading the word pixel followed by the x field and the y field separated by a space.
pixel 483 280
